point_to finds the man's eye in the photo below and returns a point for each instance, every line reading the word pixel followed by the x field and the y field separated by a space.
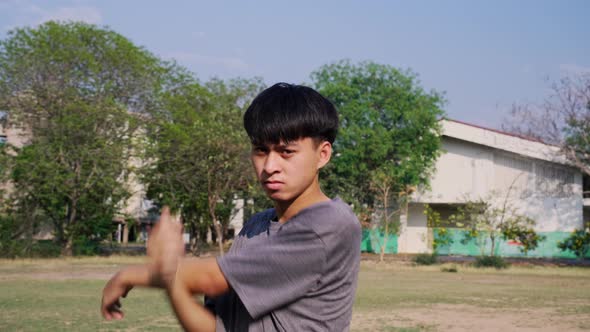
pixel 259 150
pixel 288 152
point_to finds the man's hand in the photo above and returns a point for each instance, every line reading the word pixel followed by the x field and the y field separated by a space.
pixel 111 297
pixel 165 249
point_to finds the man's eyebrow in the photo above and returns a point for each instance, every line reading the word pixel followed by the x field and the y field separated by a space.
pixel 288 144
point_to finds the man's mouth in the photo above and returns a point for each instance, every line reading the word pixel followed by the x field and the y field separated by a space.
pixel 273 185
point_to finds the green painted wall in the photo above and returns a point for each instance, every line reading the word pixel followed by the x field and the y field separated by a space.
pixel 547 248
pixel 372 240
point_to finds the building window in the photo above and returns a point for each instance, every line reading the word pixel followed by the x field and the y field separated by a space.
pixel 513 162
pixel 554 180
pixel 513 173
pixel 446 211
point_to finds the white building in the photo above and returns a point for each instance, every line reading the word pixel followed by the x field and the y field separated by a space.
pixel 479 162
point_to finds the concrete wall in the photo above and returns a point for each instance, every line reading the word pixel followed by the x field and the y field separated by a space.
pixel 414 234
pixel 548 192
pixel 500 168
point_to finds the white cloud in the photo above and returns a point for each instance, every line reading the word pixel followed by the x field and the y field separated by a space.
pixel 568 68
pixel 229 63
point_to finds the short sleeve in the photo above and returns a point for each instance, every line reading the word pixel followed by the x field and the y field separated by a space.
pixel 271 274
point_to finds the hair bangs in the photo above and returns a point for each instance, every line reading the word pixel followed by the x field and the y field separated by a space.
pixel 285 112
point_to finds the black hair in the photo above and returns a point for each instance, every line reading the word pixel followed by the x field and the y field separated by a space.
pixel 287 112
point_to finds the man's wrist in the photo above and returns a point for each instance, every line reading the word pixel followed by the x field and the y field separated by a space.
pixel 138 275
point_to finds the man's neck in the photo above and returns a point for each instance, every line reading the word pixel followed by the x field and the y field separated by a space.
pixel 287 209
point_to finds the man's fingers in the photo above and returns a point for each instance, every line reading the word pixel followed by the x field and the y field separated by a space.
pixel 127 291
pixel 116 313
pixel 112 311
pixel 165 212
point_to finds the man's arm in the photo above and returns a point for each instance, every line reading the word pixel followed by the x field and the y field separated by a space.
pixel 200 276
pixel 193 276
pixel 169 270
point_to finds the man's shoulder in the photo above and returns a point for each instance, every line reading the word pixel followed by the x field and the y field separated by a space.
pixel 258 221
pixel 265 215
pixel 331 216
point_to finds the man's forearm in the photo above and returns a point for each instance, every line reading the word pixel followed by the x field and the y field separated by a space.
pixel 200 276
pixel 195 276
pixel 191 315
pixel 138 275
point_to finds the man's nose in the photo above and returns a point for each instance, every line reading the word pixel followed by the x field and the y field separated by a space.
pixel 272 163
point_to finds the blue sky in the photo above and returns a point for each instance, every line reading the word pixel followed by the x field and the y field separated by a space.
pixel 485 55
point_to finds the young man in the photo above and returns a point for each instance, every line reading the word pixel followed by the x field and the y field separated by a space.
pixel 291 268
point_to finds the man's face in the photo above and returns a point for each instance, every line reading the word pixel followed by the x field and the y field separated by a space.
pixel 286 170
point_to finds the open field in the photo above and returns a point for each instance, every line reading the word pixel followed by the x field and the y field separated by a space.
pixel 57 295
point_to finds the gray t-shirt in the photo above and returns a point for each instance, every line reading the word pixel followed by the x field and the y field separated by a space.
pixel 297 276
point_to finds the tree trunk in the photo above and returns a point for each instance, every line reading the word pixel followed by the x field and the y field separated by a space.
pixel 68 245
pixel 385 237
pixel 68 248
pixel 195 249
pixel 492 252
pixel 386 220
pixel 216 224
pixel 125 233
pixel 219 234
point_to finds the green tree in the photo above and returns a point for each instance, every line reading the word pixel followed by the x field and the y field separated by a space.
pixel 201 162
pixel 78 91
pixel 228 170
pixel 389 135
pixel 440 232
pixel 494 219
pixel 174 154
pixel 577 242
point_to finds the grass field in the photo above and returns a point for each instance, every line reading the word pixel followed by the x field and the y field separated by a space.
pixel 57 295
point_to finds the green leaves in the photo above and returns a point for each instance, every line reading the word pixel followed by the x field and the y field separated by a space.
pixel 388 123
pixel 76 89
pixel 200 151
pixel 492 218
pixel 578 242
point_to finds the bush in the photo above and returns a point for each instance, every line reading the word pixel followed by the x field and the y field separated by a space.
pixel 23 248
pixel 578 242
pixel 452 268
pixel 86 247
pixel 491 261
pixel 45 249
pixel 426 259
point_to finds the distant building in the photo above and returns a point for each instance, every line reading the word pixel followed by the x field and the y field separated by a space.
pixel 477 162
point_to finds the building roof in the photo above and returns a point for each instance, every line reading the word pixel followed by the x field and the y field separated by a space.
pixel 497 139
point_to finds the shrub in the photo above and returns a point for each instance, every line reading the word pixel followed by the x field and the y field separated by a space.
pixel 452 268
pixel 86 247
pixel 23 248
pixel 491 261
pixel 45 249
pixel 426 259
pixel 578 242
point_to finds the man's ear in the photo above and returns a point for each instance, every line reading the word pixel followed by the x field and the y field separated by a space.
pixel 325 151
